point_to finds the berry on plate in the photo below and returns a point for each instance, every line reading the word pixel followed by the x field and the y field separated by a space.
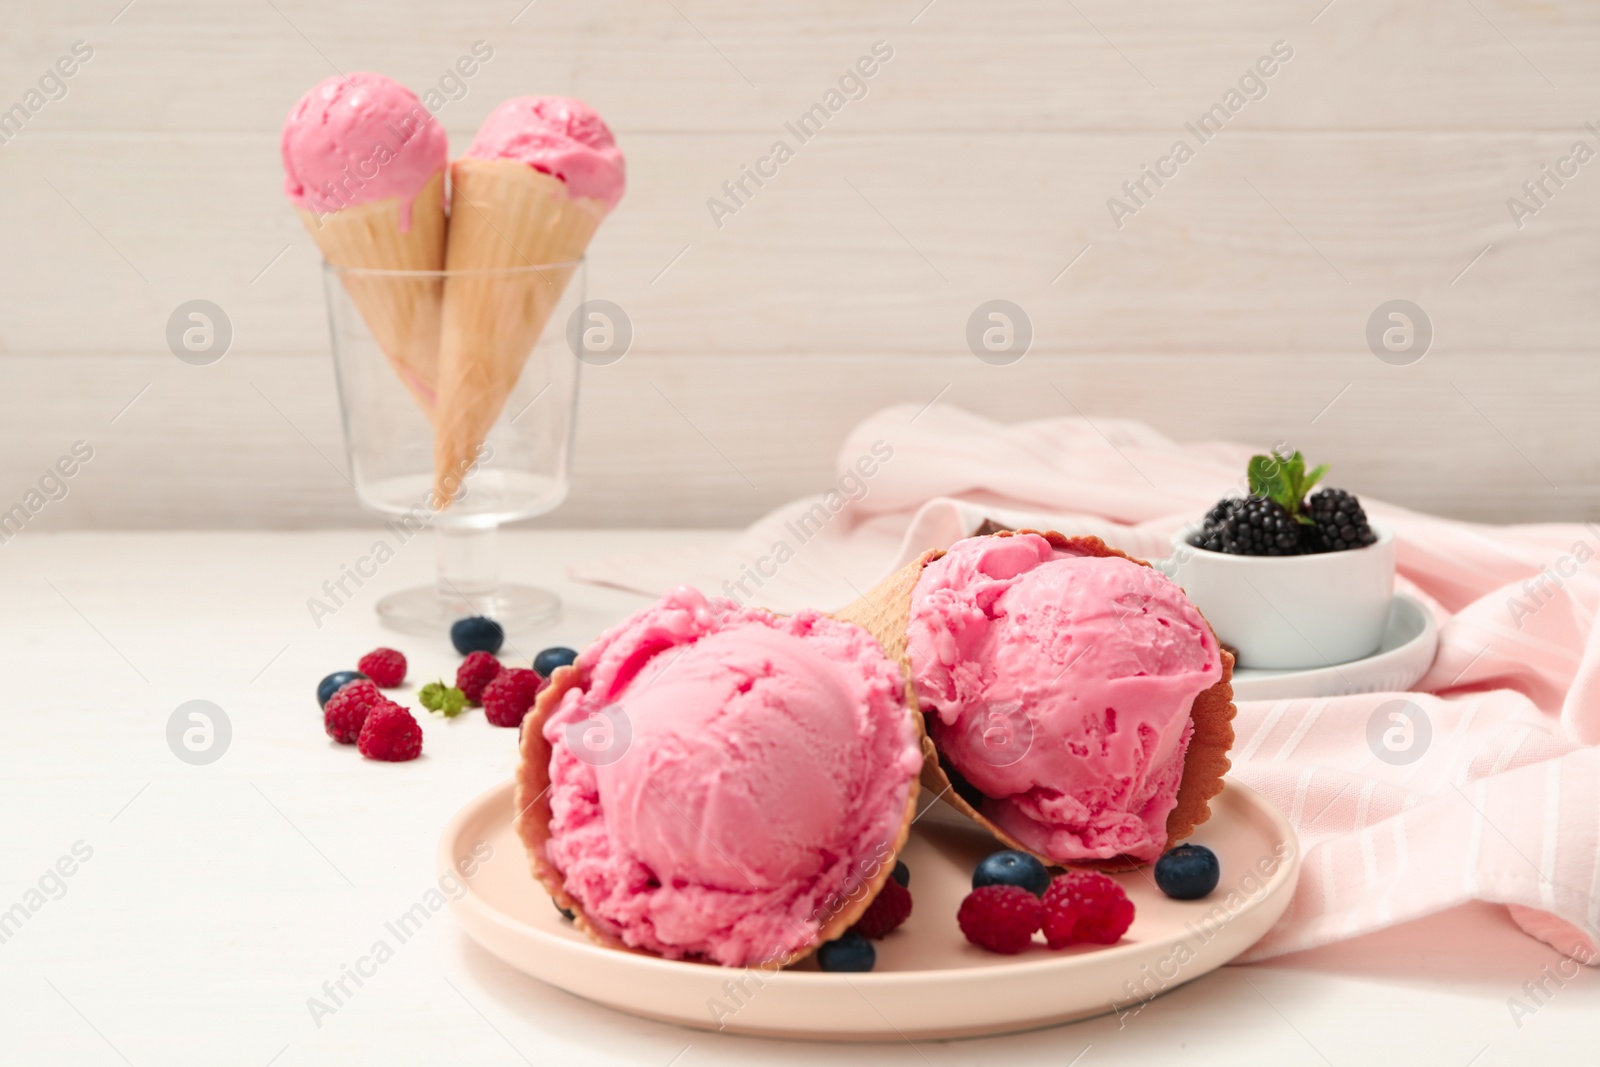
pixel 548 660
pixel 385 666
pixel 477 633
pixel 890 908
pixel 902 873
pixel 1000 918
pixel 390 734
pixel 852 952
pixel 507 699
pixel 347 710
pixel 1188 872
pixel 1011 867
pixel 333 683
pixel 1085 908
pixel 475 673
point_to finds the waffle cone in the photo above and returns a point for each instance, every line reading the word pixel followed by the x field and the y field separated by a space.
pixel 533 827
pixel 402 313
pixel 885 612
pixel 505 215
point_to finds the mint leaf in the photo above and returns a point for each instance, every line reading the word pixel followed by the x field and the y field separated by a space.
pixel 447 700
pixel 1294 474
pixel 1312 479
pixel 1284 480
pixel 1266 474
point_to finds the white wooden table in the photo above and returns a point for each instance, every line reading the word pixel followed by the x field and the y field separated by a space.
pixel 216 899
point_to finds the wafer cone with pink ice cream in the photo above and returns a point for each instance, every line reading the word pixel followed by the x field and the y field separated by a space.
pixel 540 177
pixel 719 784
pixel 364 164
pixel 1078 706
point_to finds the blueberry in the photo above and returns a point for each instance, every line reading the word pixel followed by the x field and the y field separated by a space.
pixel 1188 872
pixel 477 634
pixel 333 683
pixel 1012 868
pixel 565 914
pixel 902 873
pixel 852 952
pixel 546 662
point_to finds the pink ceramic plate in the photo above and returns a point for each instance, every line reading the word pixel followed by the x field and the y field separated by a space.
pixel 929 982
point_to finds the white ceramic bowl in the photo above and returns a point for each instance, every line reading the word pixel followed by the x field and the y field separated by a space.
pixel 1410 642
pixel 1291 612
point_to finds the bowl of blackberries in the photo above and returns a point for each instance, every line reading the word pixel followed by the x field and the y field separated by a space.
pixel 1291 575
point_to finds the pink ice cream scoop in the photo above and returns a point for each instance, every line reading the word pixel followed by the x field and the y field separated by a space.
pixel 358 138
pixel 1060 687
pixel 560 136
pixel 723 780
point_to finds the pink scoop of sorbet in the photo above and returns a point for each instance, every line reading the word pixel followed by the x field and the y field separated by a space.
pixel 358 138
pixel 560 136
pixel 1061 688
pixel 723 780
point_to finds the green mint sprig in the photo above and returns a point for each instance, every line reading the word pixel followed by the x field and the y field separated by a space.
pixel 1285 481
pixel 447 700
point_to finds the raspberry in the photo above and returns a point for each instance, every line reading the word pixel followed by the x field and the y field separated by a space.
pixel 1000 918
pixel 888 910
pixel 385 666
pixel 348 709
pixel 1085 907
pixel 476 672
pixel 390 734
pixel 507 699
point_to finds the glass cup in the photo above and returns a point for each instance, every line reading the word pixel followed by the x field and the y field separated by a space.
pixel 380 322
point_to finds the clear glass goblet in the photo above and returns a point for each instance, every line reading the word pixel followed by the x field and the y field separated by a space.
pixel 522 467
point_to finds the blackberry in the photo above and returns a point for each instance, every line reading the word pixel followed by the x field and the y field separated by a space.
pixel 1340 522
pixel 960 786
pixel 1253 526
pixel 1220 511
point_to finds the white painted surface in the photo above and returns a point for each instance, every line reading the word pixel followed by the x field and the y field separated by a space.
pixel 978 165
pixel 219 898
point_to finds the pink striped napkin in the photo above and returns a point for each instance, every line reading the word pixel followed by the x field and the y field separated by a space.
pixel 1503 805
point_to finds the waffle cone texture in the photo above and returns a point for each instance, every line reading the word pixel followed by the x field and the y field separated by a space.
pixel 402 313
pixel 509 222
pixel 885 612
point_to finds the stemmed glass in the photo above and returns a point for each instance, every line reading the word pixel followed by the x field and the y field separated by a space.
pixel 522 469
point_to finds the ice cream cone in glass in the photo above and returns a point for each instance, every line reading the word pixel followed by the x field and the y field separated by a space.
pixel 517 469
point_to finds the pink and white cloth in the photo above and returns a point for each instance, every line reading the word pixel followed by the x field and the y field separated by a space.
pixel 1503 806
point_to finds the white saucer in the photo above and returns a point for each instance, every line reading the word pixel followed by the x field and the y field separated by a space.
pixel 1409 641
pixel 929 982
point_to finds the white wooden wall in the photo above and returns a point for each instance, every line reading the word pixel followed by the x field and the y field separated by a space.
pixel 979 165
